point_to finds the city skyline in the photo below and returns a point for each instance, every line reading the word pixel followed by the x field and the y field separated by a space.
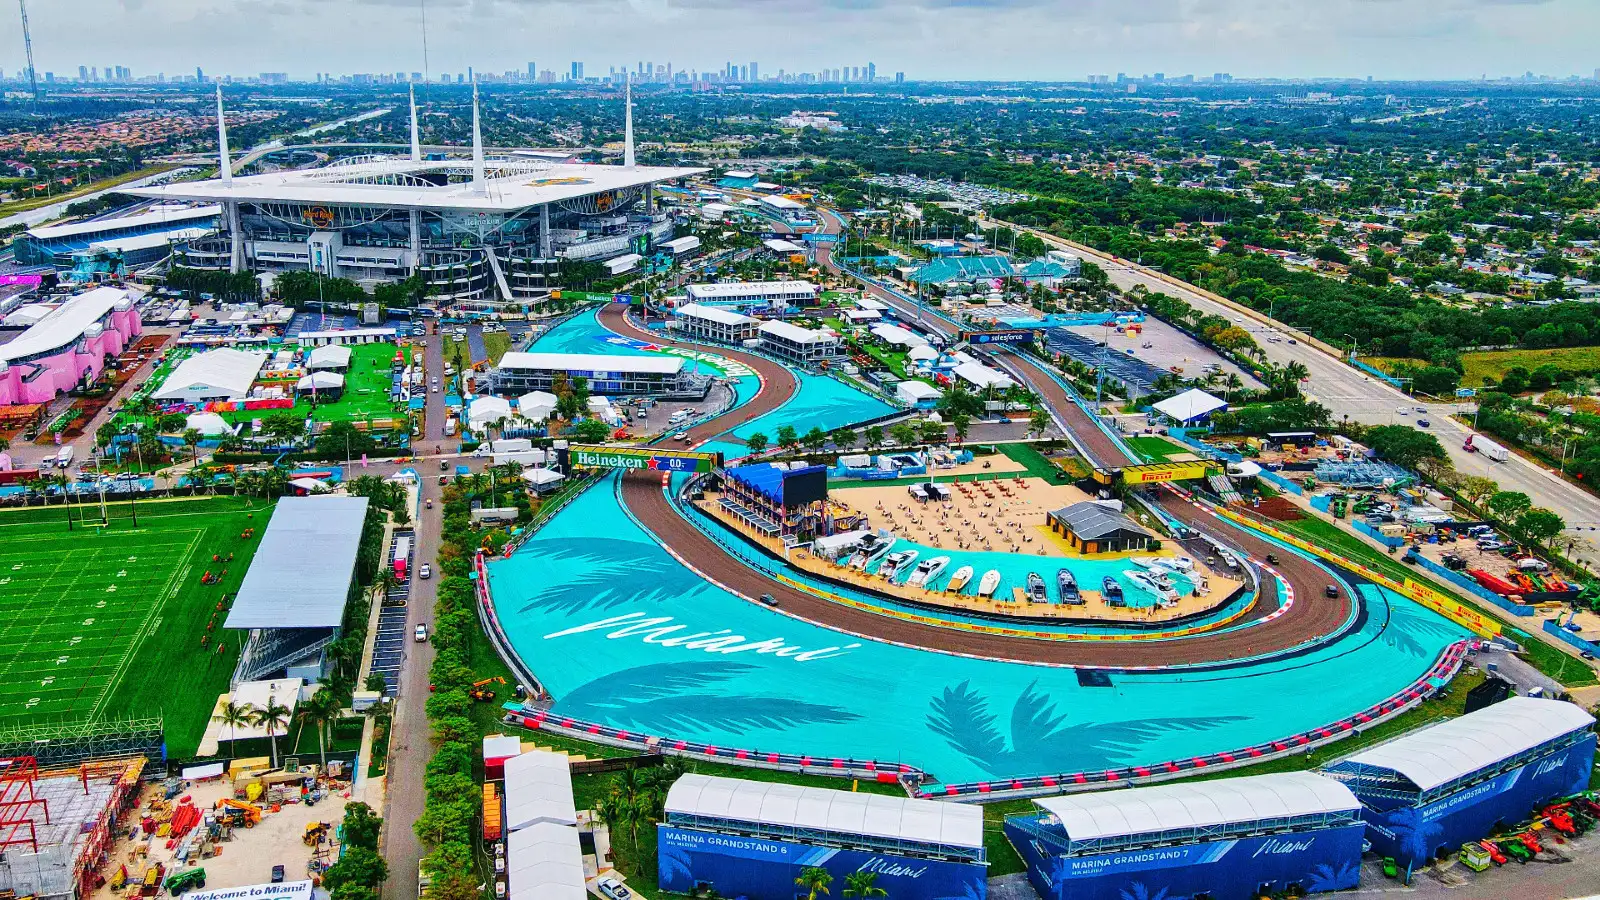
pixel 930 40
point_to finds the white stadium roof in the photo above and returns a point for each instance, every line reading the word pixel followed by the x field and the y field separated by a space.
pixel 148 241
pixel 159 215
pixel 300 577
pixel 787 805
pixel 750 289
pixel 1165 807
pixel 511 185
pixel 65 324
pixel 227 370
pixel 593 362
pixel 1450 750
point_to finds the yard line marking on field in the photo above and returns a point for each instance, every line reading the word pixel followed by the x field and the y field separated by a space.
pixel 146 627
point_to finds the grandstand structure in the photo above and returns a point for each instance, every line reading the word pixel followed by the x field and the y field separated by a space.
pixel 1432 790
pixel 1236 837
pixel 150 229
pixel 496 229
pixel 963 268
pixel 293 597
pixel 755 838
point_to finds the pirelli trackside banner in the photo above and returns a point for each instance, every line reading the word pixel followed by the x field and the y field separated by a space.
pixel 596 457
pixel 1159 472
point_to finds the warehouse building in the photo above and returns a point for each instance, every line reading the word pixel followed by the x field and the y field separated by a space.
pixel 293 597
pixel 714 323
pixel 223 374
pixel 754 839
pixel 1232 838
pixel 1429 792
pixel 746 295
pixel 1092 528
pixel 653 375
pixel 800 345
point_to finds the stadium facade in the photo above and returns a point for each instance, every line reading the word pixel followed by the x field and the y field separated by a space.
pixel 492 229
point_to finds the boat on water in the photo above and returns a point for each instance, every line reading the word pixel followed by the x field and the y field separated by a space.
pixel 1169 563
pixel 870 550
pixel 897 562
pixel 1067 587
pixel 959 579
pixel 989 583
pixel 1111 590
pixel 1036 590
pixel 1143 580
pixel 926 571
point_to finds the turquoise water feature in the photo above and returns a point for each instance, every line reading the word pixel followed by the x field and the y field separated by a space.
pixel 623 634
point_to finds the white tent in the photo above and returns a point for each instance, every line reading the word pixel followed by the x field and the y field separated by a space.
pixel 539 789
pixel 536 406
pixel 332 356
pixel 1190 405
pixel 923 353
pixel 309 485
pixel 485 410
pixel 320 381
pixel 541 480
pixel 208 424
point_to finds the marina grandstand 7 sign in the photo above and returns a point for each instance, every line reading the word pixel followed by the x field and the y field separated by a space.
pixel 651 458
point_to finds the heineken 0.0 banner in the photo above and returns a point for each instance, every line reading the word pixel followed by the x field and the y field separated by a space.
pixel 596 457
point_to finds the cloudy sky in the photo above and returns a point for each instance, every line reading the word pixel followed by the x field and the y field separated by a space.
pixel 991 39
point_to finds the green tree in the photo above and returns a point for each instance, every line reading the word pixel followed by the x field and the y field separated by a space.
pixel 361 826
pixel 1038 422
pixel 1541 525
pixel 813 879
pixel 788 438
pixel 274 718
pixel 843 438
pixel 232 715
pixel 192 438
pixel 357 875
pixel 1509 505
pixel 904 434
pixel 319 712
pixel 757 442
pixel 1476 489
pixel 873 434
pixel 962 423
pixel 815 439
pixel 1404 445
pixel 932 432
pixel 592 431
pixel 863 886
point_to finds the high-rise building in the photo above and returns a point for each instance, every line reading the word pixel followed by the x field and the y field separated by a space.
pixel 872 71
pixel 755 72
pixel 899 78
pixel 199 75
pixel 744 73
pixel 83 73
pixel 577 71
pixel 533 71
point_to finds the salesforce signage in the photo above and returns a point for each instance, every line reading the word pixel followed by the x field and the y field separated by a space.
pixel 764 869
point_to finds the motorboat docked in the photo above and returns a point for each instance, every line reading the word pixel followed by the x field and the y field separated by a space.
pixel 897 562
pixel 926 571
pixel 959 579
pixel 1145 581
pixel 870 550
pixel 1112 591
pixel 1036 591
pixel 1067 587
pixel 989 583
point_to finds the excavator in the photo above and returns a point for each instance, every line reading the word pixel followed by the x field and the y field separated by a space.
pixel 483 694
pixel 248 812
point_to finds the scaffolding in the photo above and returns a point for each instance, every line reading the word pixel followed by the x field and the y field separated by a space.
pixel 17 799
pixel 55 745
pixel 1363 473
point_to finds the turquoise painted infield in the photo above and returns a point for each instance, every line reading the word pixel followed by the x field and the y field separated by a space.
pixel 623 634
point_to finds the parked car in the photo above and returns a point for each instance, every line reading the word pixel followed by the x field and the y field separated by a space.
pixel 277 874
pixel 1424 423
pixel 426 571
pixel 613 888
pixel 422 634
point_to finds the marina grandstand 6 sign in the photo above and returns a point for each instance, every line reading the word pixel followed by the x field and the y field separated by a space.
pixel 650 458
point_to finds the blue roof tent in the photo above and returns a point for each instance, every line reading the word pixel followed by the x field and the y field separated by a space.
pixel 964 268
pixel 768 479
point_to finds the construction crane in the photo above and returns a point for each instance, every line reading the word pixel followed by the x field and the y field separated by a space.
pixel 27 44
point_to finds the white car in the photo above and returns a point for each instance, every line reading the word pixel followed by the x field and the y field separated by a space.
pixel 613 888
pixel 681 436
pixel 422 634
pixel 1403 410
pixel 426 571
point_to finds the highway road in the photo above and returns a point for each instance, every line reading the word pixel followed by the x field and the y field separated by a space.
pixel 1354 395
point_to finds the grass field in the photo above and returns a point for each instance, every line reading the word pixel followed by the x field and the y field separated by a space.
pixel 1157 449
pixel 1492 364
pixel 106 622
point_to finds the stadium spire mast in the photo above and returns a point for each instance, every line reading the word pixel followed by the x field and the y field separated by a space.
pixel 224 168
pixel 478 185
pixel 416 140
pixel 627 127
pixel 27 44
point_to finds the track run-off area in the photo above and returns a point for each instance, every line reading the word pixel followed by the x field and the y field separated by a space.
pixel 645 626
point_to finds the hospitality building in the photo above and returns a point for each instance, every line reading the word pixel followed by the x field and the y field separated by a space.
pixel 607 375
pixel 67 346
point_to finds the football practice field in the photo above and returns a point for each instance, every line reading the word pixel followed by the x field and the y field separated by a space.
pixel 107 622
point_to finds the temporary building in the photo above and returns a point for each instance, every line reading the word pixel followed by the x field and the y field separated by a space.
pixel 1192 405
pixel 207 423
pixel 331 356
pixel 542 480
pixel 316 382
pixel 536 406
pixel 545 862
pixel 223 374
pixel 485 410
pixel 539 789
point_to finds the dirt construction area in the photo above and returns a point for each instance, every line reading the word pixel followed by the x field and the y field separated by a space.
pixel 240 855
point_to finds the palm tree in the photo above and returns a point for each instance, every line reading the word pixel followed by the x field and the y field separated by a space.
pixel 320 712
pixel 192 438
pixel 274 717
pixel 1232 383
pixel 232 715
pixel 863 886
pixel 813 880
pixel 386 581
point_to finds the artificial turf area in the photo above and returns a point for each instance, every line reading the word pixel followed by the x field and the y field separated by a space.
pixel 106 623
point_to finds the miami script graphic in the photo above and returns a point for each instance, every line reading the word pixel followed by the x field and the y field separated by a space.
pixel 660 630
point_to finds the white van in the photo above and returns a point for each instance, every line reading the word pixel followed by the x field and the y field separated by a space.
pixel 64 458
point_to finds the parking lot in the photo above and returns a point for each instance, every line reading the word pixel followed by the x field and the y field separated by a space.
pixel 1168 349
